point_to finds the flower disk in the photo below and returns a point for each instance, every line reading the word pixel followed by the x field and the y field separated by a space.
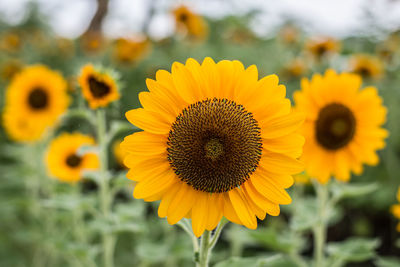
pixel 216 142
pixel 214 145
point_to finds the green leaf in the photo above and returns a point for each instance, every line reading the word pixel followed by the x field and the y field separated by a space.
pixel 342 190
pixel 273 240
pixel 270 261
pixel 352 249
pixel 387 262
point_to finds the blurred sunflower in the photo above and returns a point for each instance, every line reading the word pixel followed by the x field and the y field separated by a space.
pixel 321 47
pixel 190 23
pixel 128 51
pixel 64 160
pixel 37 94
pixel 98 87
pixel 10 41
pixel 92 42
pixel 9 68
pixel 289 34
pixel 295 68
pixel 216 142
pixel 367 66
pixel 342 127
pixel 396 209
pixel 119 153
pixel 20 128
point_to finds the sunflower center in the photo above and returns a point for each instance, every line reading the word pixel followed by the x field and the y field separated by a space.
pixel 98 88
pixel 364 71
pixel 73 160
pixel 214 145
pixel 321 50
pixel 38 98
pixel 335 126
pixel 183 17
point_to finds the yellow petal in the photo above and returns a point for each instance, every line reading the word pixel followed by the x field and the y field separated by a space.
pixel 279 163
pixel 269 190
pixel 145 143
pixel 200 213
pixel 242 209
pixel 281 126
pixel 148 121
pixel 181 203
pixel 291 145
pixel 155 184
pixel 215 204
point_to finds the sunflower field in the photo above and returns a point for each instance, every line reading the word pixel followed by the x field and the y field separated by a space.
pixel 214 146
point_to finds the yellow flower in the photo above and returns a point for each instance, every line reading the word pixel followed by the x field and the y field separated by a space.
pixel 35 99
pixel 10 42
pixel 98 88
pixel 320 47
pixel 119 153
pixel 64 160
pixel 342 127
pixel 128 51
pixel 92 42
pixel 395 209
pixel 296 68
pixel 216 142
pixel 10 68
pixel 190 23
pixel 289 34
pixel 367 66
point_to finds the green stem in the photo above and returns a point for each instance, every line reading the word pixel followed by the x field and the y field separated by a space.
pixel 204 249
pixel 320 228
pixel 208 242
pixel 105 202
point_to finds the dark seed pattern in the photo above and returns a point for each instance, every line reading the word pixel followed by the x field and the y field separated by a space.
pixel 335 126
pixel 98 88
pixel 214 145
pixel 38 99
pixel 73 160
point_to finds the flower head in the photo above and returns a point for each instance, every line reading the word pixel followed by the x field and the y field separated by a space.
pixel 343 127
pixel 64 160
pixel 128 51
pixel 367 66
pixel 216 141
pixel 35 99
pixel 321 47
pixel 98 87
pixel 190 23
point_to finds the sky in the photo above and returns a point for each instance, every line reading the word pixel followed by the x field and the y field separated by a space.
pixel 339 18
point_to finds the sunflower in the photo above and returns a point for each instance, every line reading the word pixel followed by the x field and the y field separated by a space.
pixel 216 142
pixel 367 66
pixel 35 99
pixel 396 209
pixel 295 68
pixel 98 87
pixel 342 127
pixel 128 51
pixel 64 160
pixel 321 47
pixel 289 34
pixel 92 42
pixel 190 23
pixel 10 68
